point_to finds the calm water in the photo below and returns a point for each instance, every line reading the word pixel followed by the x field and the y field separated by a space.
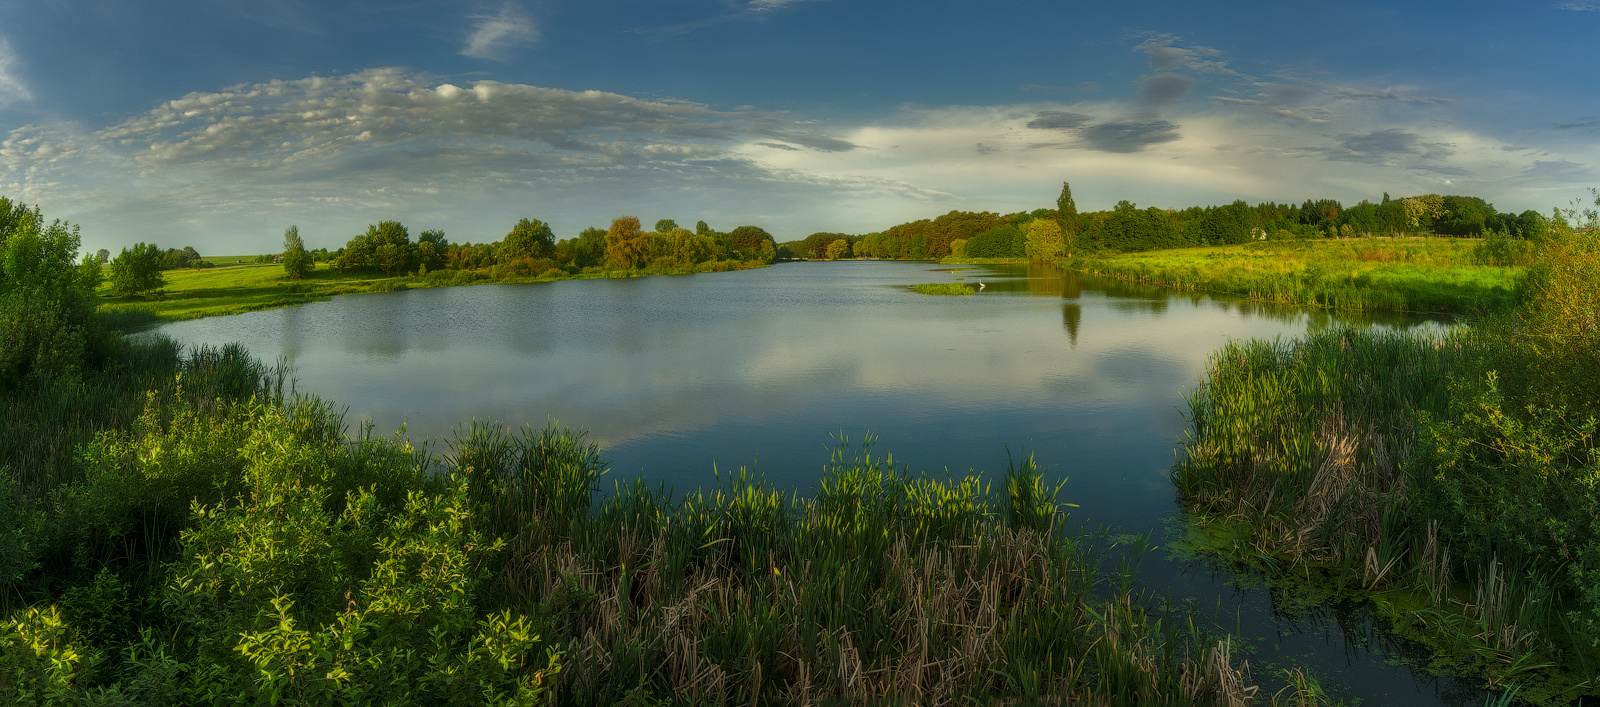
pixel 766 368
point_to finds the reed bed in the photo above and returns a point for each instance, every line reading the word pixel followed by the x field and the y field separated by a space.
pixel 1344 461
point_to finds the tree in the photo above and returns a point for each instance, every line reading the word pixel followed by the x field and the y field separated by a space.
pixel 89 274
pixel 747 241
pixel 839 249
pixel 627 244
pixel 137 271
pixel 102 256
pixel 47 322
pixel 1067 210
pixel 1045 243
pixel 666 225
pixel 530 238
pixel 296 261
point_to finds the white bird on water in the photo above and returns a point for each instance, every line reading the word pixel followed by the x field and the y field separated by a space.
pixel 980 284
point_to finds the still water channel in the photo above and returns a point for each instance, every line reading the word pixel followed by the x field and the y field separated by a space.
pixel 767 368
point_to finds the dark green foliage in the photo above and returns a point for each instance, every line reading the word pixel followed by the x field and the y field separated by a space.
pixel 530 238
pixel 296 261
pixel 137 271
pixel 1005 241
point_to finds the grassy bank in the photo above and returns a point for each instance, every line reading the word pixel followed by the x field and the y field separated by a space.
pixel 235 289
pixel 1449 481
pixel 1409 274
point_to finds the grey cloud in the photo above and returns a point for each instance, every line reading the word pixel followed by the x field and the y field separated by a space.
pixel 1164 89
pixel 1579 6
pixel 778 146
pixel 1130 136
pixel 1384 146
pixel 1164 55
pixel 1057 120
pixel 1389 94
pixel 1589 124
pixel 1564 170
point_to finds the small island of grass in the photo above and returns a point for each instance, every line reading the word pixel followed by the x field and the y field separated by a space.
pixel 944 288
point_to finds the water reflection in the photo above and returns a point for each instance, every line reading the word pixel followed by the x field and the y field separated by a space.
pixel 673 375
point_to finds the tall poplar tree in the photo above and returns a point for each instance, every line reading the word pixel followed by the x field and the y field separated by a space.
pixel 1067 210
pixel 296 261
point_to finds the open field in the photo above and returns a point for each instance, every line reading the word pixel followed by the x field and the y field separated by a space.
pixel 1410 274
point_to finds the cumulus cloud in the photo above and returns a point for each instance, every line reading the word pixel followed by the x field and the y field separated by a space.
pixel 280 124
pixel 12 89
pixel 493 35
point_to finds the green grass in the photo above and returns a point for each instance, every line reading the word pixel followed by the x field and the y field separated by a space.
pixel 1408 274
pixel 944 288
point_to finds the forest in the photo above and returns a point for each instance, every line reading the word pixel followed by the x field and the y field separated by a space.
pixel 1128 228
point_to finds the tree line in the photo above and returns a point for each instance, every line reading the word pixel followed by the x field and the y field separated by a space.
pixel 530 249
pixel 1060 232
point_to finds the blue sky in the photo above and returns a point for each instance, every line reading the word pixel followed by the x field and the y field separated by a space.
pixel 219 123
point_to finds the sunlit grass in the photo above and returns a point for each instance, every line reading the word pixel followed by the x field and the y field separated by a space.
pixel 1409 274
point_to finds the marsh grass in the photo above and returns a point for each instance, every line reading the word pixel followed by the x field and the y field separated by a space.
pixel 1420 274
pixel 1322 459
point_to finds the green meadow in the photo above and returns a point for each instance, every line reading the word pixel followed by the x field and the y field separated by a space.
pixel 1393 274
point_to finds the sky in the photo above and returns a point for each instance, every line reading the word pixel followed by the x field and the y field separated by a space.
pixel 220 123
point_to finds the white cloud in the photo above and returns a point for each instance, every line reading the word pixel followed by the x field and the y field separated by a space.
pixel 12 88
pixel 493 35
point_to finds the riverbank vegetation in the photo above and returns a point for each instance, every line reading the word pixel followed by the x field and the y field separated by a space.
pixel 178 529
pixel 1450 479
pixel 386 259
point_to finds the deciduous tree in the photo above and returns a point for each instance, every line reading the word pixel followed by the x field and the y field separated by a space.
pixel 137 271
pixel 296 261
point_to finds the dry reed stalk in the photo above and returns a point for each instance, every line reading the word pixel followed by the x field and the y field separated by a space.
pixel 1216 680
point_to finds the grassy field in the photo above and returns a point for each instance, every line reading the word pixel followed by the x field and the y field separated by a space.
pixel 1410 274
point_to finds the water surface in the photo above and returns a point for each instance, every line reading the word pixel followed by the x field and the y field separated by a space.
pixel 767 368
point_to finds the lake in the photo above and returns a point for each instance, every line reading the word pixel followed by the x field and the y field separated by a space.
pixel 767 369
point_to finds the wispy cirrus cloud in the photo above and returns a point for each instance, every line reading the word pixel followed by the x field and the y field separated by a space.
pixel 495 35
pixel 12 88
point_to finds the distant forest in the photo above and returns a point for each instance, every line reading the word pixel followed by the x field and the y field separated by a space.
pixel 1126 227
